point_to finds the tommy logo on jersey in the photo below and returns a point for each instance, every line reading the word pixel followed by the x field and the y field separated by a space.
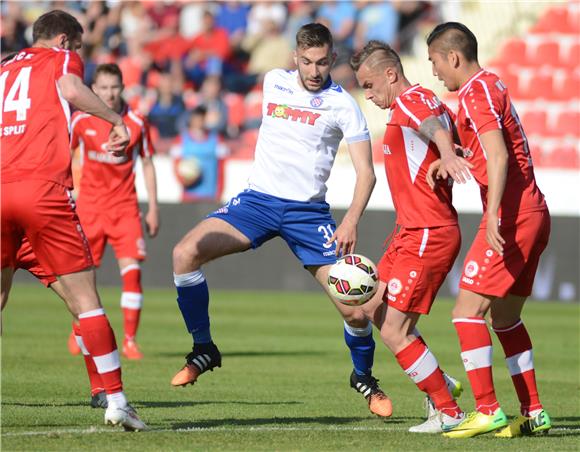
pixel 294 114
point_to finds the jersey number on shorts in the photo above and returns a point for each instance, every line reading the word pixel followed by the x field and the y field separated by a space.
pixel 327 232
pixel 19 88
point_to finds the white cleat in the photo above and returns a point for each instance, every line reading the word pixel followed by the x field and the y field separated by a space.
pixel 127 417
pixel 437 423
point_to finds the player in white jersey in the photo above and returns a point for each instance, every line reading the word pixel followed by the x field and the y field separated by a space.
pixel 304 117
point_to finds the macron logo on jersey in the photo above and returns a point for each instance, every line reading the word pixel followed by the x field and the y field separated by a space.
pixel 294 114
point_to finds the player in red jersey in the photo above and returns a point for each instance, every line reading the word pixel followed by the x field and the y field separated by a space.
pixel 427 239
pixel 107 202
pixel 501 264
pixel 36 86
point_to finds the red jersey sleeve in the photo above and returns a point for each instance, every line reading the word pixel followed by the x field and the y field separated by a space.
pixel 68 62
pixel 483 104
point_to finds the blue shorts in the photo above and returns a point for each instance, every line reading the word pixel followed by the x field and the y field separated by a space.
pixel 305 226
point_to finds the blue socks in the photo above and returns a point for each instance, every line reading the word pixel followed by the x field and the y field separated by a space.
pixel 193 301
pixel 362 347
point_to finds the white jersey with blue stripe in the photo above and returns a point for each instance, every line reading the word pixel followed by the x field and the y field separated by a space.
pixel 299 136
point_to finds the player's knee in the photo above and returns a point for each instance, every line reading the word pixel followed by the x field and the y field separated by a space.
pixel 356 318
pixel 186 257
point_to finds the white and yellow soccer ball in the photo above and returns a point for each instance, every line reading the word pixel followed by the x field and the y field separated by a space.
pixel 189 171
pixel 353 280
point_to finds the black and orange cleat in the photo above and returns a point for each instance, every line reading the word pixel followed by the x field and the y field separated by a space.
pixel 203 357
pixel 368 386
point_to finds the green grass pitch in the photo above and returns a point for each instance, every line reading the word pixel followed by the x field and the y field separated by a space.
pixel 283 384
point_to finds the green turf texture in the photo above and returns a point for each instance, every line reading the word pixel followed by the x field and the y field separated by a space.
pixel 283 384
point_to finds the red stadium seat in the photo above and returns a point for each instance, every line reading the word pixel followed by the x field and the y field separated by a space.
pixel 554 20
pixel 569 89
pixel 514 51
pixel 572 60
pixel 547 52
pixel 565 157
pixel 534 122
pixel 568 123
pixel 537 155
pixel 236 113
pixel 511 80
pixel 539 86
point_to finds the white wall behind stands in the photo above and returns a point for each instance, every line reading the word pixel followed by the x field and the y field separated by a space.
pixel 561 187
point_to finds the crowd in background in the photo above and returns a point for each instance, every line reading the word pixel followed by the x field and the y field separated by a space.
pixel 176 55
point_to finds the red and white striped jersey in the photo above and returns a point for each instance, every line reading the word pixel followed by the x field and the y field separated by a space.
pixel 407 156
pixel 34 117
pixel 484 105
pixel 108 181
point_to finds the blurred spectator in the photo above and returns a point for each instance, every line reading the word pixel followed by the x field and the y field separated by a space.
pixel 211 97
pixel 376 20
pixel 268 49
pixel 300 12
pixel 201 149
pixel 190 19
pixel 12 35
pixel 340 18
pixel 274 11
pixel 209 49
pixel 411 13
pixel 233 17
pixel 166 112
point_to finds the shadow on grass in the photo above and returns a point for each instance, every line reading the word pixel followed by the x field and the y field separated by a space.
pixel 242 354
pixel 208 402
pixel 47 404
pixel 567 419
pixel 275 421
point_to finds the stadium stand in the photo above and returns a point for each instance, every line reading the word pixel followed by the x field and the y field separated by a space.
pixel 535 48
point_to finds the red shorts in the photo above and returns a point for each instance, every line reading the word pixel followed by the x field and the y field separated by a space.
pixel 416 264
pixel 488 273
pixel 122 229
pixel 44 212
pixel 26 259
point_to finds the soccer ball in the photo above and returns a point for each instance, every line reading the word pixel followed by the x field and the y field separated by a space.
pixel 353 280
pixel 189 171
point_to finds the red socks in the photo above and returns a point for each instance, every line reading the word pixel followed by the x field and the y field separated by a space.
pixel 517 346
pixel 421 366
pixel 131 299
pixel 476 352
pixel 94 378
pixel 99 340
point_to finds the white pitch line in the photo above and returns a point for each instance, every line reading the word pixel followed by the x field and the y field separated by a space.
pixel 91 430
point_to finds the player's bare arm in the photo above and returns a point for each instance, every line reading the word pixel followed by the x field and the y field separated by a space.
pixel 346 233
pixel 152 216
pixel 75 92
pixel 497 163
pixel 450 163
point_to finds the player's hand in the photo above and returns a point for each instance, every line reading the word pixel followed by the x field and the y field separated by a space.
pixel 433 174
pixel 456 167
pixel 152 222
pixel 345 236
pixel 492 234
pixel 118 139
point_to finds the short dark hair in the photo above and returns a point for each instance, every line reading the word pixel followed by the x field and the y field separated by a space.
pixel 313 35
pixel 108 68
pixel 54 23
pixel 455 36
pixel 377 53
